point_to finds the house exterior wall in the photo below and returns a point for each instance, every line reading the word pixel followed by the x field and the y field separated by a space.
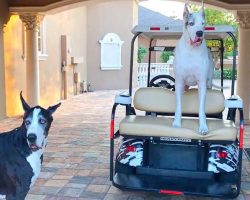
pixel 155 56
pixel 15 68
pixel 85 25
pixel 4 14
pixel 109 17
pixel 145 42
pixel 71 23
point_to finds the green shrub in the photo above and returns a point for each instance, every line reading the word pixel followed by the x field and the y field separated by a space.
pixel 142 51
pixel 227 74
pixel 165 55
pixel 228 53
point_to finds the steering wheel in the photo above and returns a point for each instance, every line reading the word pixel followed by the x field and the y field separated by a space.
pixel 163 81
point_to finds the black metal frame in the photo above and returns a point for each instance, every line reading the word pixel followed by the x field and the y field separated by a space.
pixel 118 180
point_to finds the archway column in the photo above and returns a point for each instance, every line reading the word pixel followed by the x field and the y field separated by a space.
pixel 243 80
pixel 32 22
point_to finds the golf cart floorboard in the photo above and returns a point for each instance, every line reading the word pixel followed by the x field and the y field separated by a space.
pixel 174 185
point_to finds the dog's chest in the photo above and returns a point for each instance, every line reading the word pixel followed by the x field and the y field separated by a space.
pixel 34 159
pixel 188 53
pixel 191 59
pixel 191 64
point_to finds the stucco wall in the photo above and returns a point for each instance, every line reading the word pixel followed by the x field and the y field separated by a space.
pixel 4 14
pixel 155 56
pixel 142 41
pixel 85 25
pixel 73 24
pixel 109 17
pixel 15 68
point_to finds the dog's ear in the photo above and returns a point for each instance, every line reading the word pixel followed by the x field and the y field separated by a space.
pixel 202 10
pixel 52 109
pixel 186 12
pixel 26 107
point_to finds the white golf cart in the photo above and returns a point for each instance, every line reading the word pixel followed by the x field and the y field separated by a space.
pixel 156 157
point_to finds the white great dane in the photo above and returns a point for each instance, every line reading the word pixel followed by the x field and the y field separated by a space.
pixel 193 64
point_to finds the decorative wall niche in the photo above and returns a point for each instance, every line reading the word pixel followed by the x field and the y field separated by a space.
pixel 111 47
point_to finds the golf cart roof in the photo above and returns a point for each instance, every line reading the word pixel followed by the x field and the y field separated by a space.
pixel 175 32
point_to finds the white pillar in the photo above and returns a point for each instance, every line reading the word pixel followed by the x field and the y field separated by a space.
pixel 243 83
pixel 31 22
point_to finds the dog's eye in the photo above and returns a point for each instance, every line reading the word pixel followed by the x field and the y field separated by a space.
pixel 27 122
pixel 42 121
pixel 191 23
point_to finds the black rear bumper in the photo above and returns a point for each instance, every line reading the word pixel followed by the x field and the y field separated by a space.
pixel 176 185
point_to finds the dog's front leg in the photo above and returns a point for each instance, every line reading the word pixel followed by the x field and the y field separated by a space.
pixel 203 129
pixel 19 194
pixel 179 88
pixel 210 70
pixel 14 197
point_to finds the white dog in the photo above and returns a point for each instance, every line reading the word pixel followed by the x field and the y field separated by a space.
pixel 193 64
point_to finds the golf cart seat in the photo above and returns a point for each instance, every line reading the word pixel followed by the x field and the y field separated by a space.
pixel 160 100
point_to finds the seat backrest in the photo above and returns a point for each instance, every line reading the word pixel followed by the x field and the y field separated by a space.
pixel 162 100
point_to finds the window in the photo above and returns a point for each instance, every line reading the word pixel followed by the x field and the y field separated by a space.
pixel 41 42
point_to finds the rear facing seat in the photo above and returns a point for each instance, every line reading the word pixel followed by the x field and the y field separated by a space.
pixel 160 100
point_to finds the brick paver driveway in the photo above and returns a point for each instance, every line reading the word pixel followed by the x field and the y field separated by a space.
pixel 76 162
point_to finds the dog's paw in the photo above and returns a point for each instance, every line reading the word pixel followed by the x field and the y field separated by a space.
pixel 203 130
pixel 176 123
pixel 2 196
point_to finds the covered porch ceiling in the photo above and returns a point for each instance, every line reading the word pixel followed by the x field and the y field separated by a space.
pixel 32 3
pixel 46 5
pixel 228 4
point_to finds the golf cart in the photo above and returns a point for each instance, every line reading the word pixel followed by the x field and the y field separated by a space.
pixel 153 155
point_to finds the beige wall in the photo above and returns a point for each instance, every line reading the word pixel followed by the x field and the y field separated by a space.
pixel 142 41
pixel 155 56
pixel 85 25
pixel 15 68
pixel 109 17
pixel 71 23
pixel 4 14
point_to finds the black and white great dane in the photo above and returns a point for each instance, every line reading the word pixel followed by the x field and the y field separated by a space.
pixel 21 151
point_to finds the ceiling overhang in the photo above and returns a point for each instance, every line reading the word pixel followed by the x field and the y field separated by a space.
pixel 231 5
pixel 30 3
pixel 41 6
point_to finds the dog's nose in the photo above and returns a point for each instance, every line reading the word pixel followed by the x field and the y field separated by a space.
pixel 32 137
pixel 199 33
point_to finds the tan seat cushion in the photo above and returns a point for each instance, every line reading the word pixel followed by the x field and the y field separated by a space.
pixel 163 101
pixel 162 127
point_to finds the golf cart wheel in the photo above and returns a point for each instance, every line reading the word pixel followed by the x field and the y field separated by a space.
pixel 163 81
